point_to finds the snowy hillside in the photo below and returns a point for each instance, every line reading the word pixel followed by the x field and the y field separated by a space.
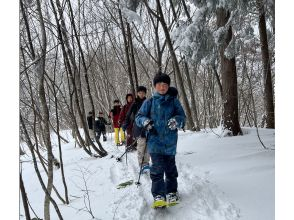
pixel 219 178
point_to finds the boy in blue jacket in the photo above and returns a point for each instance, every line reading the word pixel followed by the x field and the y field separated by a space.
pixel 162 116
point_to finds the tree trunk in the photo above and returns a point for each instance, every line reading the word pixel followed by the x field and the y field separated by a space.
pixel 133 61
pixel 267 76
pixel 176 66
pixel 45 111
pixel 229 78
pixel 24 198
pixel 31 147
pixel 126 46
pixel 196 126
pixel 101 150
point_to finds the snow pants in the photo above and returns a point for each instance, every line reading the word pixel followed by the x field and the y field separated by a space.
pixel 99 132
pixel 130 138
pixel 142 151
pixel 118 132
pixel 163 165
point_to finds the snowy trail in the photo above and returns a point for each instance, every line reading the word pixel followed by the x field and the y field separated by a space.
pixel 199 198
pixel 207 165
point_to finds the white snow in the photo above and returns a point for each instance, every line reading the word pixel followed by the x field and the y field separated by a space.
pixel 219 178
pixel 131 16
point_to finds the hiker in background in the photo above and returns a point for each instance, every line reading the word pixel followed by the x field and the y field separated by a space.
pixel 100 126
pixel 122 117
pixel 119 136
pixel 138 132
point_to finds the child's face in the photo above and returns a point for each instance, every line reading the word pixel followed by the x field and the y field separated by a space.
pixel 161 88
pixel 141 94
pixel 130 99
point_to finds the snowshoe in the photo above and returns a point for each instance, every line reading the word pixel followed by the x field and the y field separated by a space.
pixel 159 202
pixel 172 198
pixel 124 184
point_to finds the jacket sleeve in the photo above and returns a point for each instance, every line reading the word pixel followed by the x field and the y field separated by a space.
pixel 143 113
pixel 104 121
pixel 128 115
pixel 179 114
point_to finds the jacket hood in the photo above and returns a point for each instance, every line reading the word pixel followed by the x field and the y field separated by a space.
pixel 139 100
pixel 172 91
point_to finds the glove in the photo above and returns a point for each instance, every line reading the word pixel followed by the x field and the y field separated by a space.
pixel 148 124
pixel 172 124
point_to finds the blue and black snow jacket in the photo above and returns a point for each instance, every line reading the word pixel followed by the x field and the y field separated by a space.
pixel 159 109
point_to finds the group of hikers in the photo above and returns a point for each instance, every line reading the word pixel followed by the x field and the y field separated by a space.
pixel 152 124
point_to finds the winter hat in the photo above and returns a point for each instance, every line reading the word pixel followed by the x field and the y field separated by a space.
pixel 142 88
pixel 129 94
pixel 161 77
pixel 116 101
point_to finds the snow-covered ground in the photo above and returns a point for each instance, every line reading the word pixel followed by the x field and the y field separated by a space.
pixel 219 178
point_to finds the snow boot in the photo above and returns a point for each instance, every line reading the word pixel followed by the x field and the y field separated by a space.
pixel 145 169
pixel 159 202
pixel 173 198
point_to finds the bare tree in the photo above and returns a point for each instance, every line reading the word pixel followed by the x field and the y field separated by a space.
pixel 161 18
pixel 24 198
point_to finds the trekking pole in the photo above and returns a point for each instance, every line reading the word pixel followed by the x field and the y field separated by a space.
pixel 140 171
pixel 118 159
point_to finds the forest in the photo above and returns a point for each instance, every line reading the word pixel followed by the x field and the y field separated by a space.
pixel 80 56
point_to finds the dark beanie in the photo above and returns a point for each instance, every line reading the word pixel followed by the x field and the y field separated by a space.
pixel 142 88
pixel 161 77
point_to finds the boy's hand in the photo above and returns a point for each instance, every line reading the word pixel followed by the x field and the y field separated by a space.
pixel 148 124
pixel 172 124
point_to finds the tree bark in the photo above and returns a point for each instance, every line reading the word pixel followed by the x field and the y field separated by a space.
pixel 99 150
pixel 229 78
pixel 24 198
pixel 196 126
pixel 126 46
pixel 31 147
pixel 267 76
pixel 132 56
pixel 45 111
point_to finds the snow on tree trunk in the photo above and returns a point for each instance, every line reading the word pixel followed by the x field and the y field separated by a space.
pixel 229 78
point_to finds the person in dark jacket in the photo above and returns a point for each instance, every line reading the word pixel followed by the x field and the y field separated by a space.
pixel 122 117
pixel 90 125
pixel 162 116
pixel 100 128
pixel 119 136
pixel 138 132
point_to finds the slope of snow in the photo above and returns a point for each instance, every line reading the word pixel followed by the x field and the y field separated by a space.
pixel 219 178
